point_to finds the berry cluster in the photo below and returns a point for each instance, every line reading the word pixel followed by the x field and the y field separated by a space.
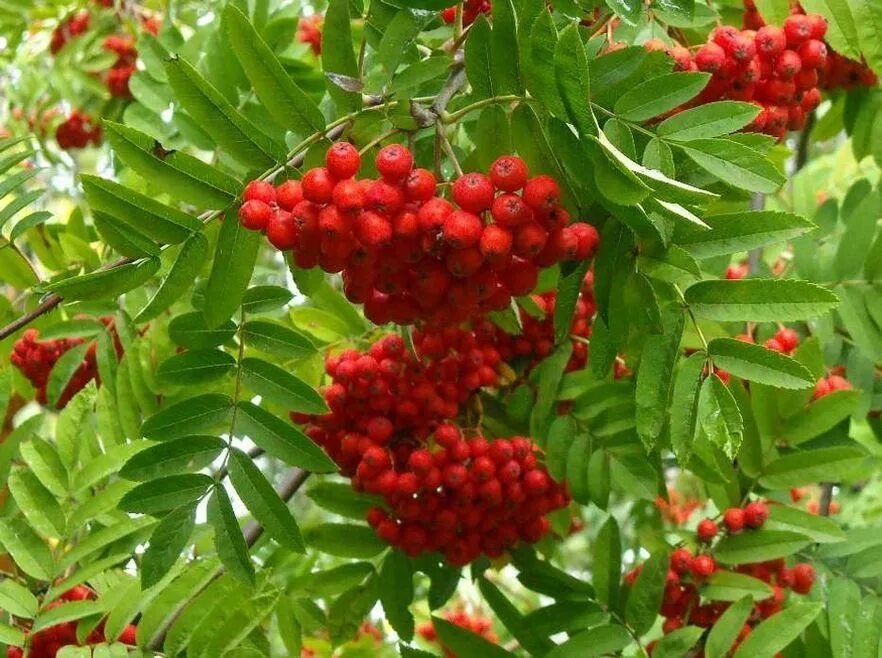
pixel 677 509
pixel 77 132
pixel 681 604
pixel 832 383
pixel 536 340
pixel 839 72
pixel 309 30
pixel 71 27
pixel 36 358
pixel 390 428
pixel 117 77
pixel 784 341
pixel 471 9
pixel 408 254
pixel 477 624
pixel 49 641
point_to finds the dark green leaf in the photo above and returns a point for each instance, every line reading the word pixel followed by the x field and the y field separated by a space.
pixel 190 330
pixel 719 416
pixel 342 499
pixel 172 457
pixel 735 164
pixel 477 58
pixel 183 273
pixel 105 284
pixel 166 493
pixel 607 556
pixel 678 643
pixel 726 630
pixel 646 593
pixel 708 120
pixel 281 439
pixel 757 364
pixel 598 641
pixel 654 377
pixel 195 366
pixel 759 300
pixel 265 298
pixel 779 630
pixel 275 338
pixel 759 546
pixel 231 271
pixel 466 643
pixel 659 95
pixel 344 540
pixel 684 405
pixel 168 541
pixel 742 231
pixel 338 58
pixel 803 467
pixel 188 416
pixel 280 386
pixel 228 539
pixel 63 371
pixel 732 586
pixel 396 593
pixel 573 82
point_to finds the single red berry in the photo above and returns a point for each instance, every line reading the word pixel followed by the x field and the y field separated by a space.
pixel 770 41
pixel 372 229
pixel 258 190
pixel 318 185
pixel 803 578
pixel 420 185
pixel 733 519
pixel 798 28
pixel 710 57
pixel 462 229
pixel 255 215
pixel 788 339
pixel 813 54
pixel 473 192
pixel 725 36
pixel 348 196
pixel 508 173
pixel 289 194
pixel 509 210
pixel 282 230
pixel 496 242
pixel 818 26
pixel 707 530
pixel 342 160
pixel 788 65
pixel 394 162
pixel 703 566
pixel 530 239
pixel 541 193
pixel 681 561
pixel 432 214
pixel 755 514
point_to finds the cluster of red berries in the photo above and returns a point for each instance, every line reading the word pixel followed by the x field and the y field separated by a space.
pixel 117 77
pixel 390 428
pixel 36 358
pixel 77 132
pixel 477 624
pixel 687 572
pixel 774 67
pixel 309 30
pixel 536 340
pixel 71 27
pixel 785 341
pixel 471 9
pixel 49 641
pixel 839 72
pixel 409 255
pixel 830 384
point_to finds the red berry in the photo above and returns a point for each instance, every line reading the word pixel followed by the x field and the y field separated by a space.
pixel 788 339
pixel 818 26
pixel 342 160
pixel 289 194
pixel 473 192
pixel 348 195
pixel 707 530
pixel 755 515
pixel 394 162
pixel 681 561
pixel 541 193
pixel 508 173
pixel 372 229
pixel 703 566
pixel 770 41
pixel 282 230
pixel 509 210
pixel 803 578
pixel 710 58
pixel 496 242
pixel 733 519
pixel 530 240
pixel 258 190
pixel 813 54
pixel 788 65
pixel 420 185
pixel 255 215
pixel 318 185
pixel 462 229
pixel 798 28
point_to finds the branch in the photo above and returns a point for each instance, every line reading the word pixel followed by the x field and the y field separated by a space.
pixel 826 498
pixel 253 532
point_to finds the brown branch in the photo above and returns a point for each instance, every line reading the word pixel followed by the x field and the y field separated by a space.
pixel 826 498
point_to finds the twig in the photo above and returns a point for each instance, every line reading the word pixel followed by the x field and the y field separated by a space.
pixel 826 498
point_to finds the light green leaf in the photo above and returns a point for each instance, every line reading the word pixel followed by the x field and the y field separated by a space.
pixel 842 31
pixel 183 273
pixel 166 493
pixel 803 467
pixel 466 643
pixel 724 633
pixel 38 504
pixel 757 364
pixel 573 83
pixel 169 539
pixel 759 546
pixel 684 405
pixel 280 386
pixel 734 164
pixel 598 641
pixel 63 371
pixel 742 231
pixel 338 58
pixel 732 586
pixel 27 550
pixel 188 416
pixel 759 300
pixel 105 284
pixel 231 271
pixel 265 298
pixel 16 599
pixel 820 528
pixel 195 367
pixel 277 339
pixel 779 630
pixel 344 540
pixel 719 416
pixel 264 503
pixel 678 643
pixel 709 120
pixel 70 611
pixel 190 330
pixel 659 95
pixel 654 377
pixel 228 539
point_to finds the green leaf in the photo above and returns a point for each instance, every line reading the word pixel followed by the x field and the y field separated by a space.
pixel 684 405
pixel 228 127
pixel 742 231
pixel 659 95
pixel 720 417
pixel 277 339
pixel 264 503
pixel 228 539
pixel 758 364
pixel 548 375
pixel 265 298
pixel 190 330
pixel 820 528
pixel 63 371
pixel 678 643
pixel 231 271
pixel 397 39
pixel 598 641
pixel 820 415
pixel 195 367
pixel 70 611
pixel 759 546
pixel 528 637
pixel 175 172
pixel 396 593
pixel 843 608
pixel 842 31
pixel 280 386
pixel 505 67
pixel 166 493
pixel 774 12
pixel 105 284
pixel 779 630
pixel 868 20
pixel 855 309
pixel 759 300
pixel 27 550
pixel 868 628
pixel 162 223
pixel 538 64
pixel 629 10
pixel 279 94
pixel 803 467
pixel 607 557
pixel 72 422
pixel 173 457
pixel 731 586
pixel 573 82
pixel 169 539
pixel 568 290
pixel 188 416
pixel 281 439
pixel 861 209
pixel 17 599
pixel 654 377
pixel 734 164
pixel 338 58
pixel 344 540
pixel 38 504
pixel 724 633
pixel 183 273
pixel 477 58
pixel 645 597
pixel 103 537
pixel 710 120
pixel 342 499
pixel 564 617
pixel 466 643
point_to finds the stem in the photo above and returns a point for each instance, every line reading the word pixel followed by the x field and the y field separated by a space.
pixel 826 498
pixel 459 114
